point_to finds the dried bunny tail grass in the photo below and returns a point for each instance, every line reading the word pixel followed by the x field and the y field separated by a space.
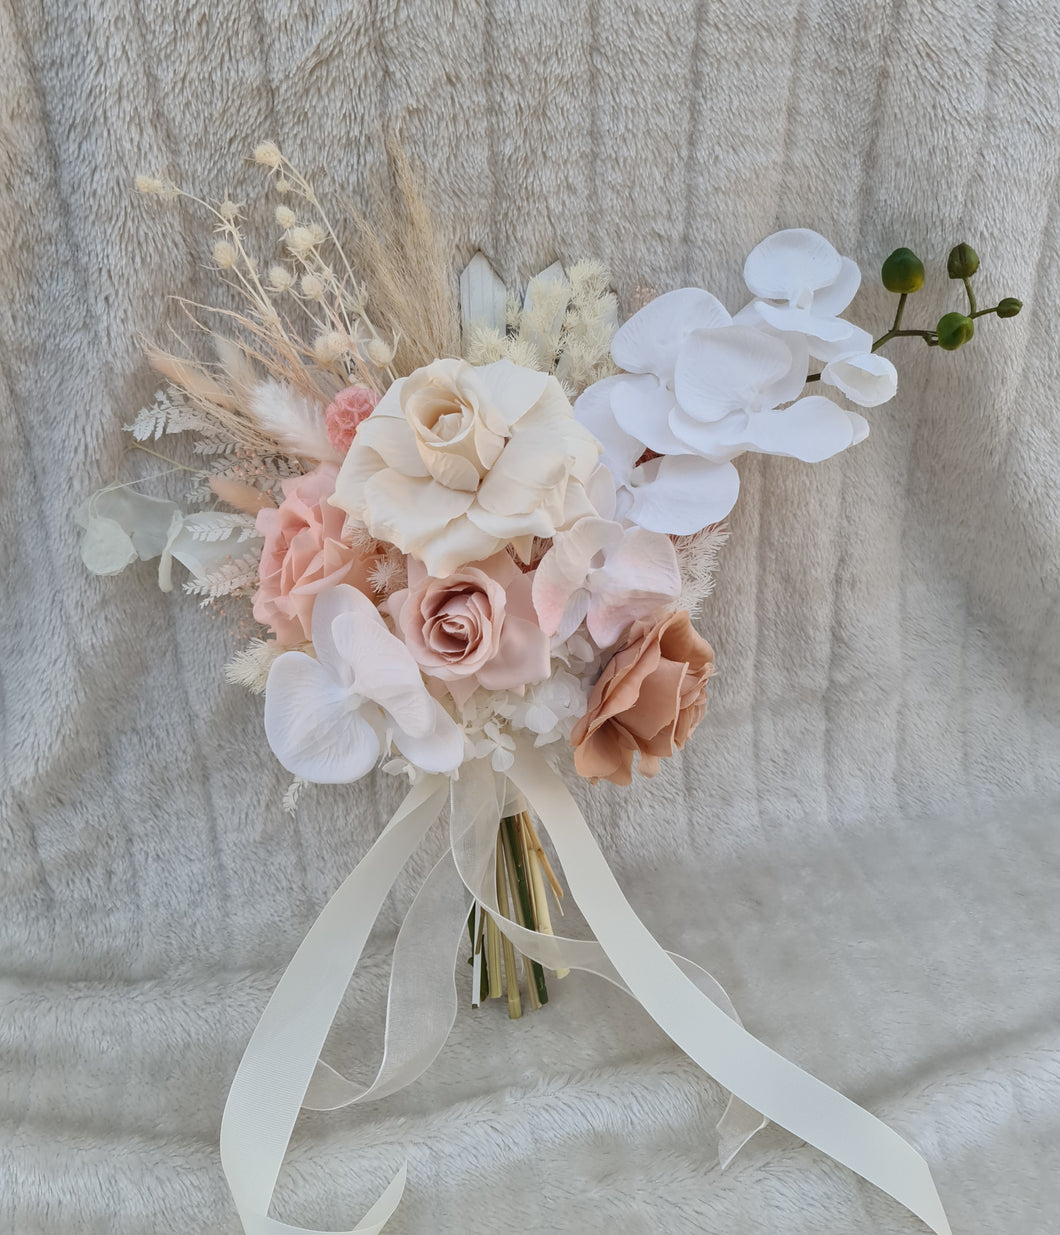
pixel 407 268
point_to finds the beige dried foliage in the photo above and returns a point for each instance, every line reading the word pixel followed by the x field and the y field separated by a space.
pixel 407 267
pixel 396 313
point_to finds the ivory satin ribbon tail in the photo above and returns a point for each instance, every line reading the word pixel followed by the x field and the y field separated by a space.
pixel 281 1071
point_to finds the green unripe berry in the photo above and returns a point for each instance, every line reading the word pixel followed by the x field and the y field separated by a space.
pixel 1009 307
pixel 954 330
pixel 963 262
pixel 903 272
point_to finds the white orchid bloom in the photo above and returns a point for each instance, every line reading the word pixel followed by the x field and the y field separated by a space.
pixel 801 285
pixel 718 393
pixel 730 385
pixel 605 575
pixel 682 491
pixel 863 376
pixel 329 719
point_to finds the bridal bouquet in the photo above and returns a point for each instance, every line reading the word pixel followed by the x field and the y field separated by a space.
pixel 472 528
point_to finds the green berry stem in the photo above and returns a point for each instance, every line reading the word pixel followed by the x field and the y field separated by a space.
pixel 896 331
pixel 927 335
pixel 971 297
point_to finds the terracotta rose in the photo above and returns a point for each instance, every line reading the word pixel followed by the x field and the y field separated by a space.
pixel 649 698
pixel 304 555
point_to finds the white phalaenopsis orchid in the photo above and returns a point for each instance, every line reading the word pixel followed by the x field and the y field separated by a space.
pixel 605 575
pixel 864 377
pixel 329 718
pixel 701 387
pixel 802 284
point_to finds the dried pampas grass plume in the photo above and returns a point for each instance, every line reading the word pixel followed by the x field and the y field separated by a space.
pixel 407 267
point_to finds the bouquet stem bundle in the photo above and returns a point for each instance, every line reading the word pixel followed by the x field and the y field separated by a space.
pixel 524 877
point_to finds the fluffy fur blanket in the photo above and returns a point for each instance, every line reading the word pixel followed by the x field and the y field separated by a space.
pixel 861 840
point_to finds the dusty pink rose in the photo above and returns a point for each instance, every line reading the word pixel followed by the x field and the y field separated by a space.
pixel 650 696
pixel 476 627
pixel 345 412
pixel 304 555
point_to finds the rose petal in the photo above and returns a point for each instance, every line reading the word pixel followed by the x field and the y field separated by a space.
pixel 513 390
pixel 392 440
pixel 522 657
pixel 407 511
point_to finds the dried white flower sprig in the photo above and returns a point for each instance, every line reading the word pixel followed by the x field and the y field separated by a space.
pixel 562 324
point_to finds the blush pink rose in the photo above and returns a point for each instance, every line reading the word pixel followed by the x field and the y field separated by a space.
pixel 650 696
pixel 476 627
pixel 304 555
pixel 345 412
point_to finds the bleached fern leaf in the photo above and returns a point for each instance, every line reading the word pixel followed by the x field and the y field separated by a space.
pixel 169 413
pixel 234 575
pixel 211 526
pixel 250 667
pixel 294 792
pixel 214 446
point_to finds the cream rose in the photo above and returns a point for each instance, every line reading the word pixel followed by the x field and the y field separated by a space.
pixel 458 462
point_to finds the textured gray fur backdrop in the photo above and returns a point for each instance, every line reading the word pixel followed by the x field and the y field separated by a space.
pixel 860 841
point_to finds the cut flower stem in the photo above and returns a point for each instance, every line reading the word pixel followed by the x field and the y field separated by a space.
pixel 523 877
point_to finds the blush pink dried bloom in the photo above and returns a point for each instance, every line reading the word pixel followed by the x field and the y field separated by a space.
pixel 476 627
pixel 304 555
pixel 345 412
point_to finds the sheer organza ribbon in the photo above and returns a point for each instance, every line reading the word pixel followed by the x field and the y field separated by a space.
pixel 281 1071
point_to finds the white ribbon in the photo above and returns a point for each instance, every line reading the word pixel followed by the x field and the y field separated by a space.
pixel 276 1068
pixel 280 1071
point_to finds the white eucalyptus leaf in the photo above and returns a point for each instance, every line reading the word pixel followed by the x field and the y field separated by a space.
pixel 106 547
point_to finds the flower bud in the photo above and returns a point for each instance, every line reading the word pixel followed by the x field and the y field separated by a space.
pixel 954 330
pixel 903 272
pixel 962 262
pixel 1009 307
